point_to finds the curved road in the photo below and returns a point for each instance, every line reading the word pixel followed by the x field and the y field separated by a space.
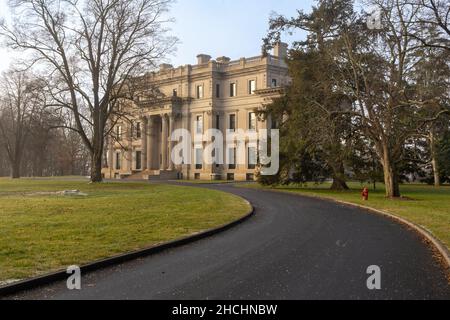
pixel 293 248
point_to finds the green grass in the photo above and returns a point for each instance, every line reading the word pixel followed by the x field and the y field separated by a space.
pixel 424 205
pixel 42 233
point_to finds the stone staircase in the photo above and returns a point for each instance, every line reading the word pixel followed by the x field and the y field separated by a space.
pixel 137 176
pixel 169 175
pixel 153 175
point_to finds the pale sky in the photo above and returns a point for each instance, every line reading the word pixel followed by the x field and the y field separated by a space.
pixel 215 27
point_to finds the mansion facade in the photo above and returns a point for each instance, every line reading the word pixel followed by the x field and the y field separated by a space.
pixel 214 94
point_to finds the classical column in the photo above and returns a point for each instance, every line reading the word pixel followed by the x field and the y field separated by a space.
pixel 110 153
pixel 171 129
pixel 208 123
pixel 129 153
pixel 144 143
pixel 186 124
pixel 151 148
pixel 164 136
pixel 240 124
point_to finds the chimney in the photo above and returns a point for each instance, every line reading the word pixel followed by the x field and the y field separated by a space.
pixel 203 58
pixel 165 66
pixel 280 50
pixel 223 60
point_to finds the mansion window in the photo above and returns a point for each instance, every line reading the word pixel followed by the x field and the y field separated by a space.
pixel 118 158
pixel 175 93
pixel 252 121
pixel 198 158
pixel 274 124
pixel 217 122
pixel 138 160
pixel 251 87
pixel 119 133
pixel 217 90
pixel 138 130
pixel 252 158
pixel 233 89
pixel 199 124
pixel 232 122
pixel 274 83
pixel 232 158
pixel 199 92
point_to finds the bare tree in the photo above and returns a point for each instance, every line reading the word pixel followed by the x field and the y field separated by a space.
pixel 90 50
pixel 20 100
pixel 432 24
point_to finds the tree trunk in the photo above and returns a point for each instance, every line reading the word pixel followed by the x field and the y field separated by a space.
pixel 38 170
pixel 339 182
pixel 434 161
pixel 96 167
pixel 391 181
pixel 437 177
pixel 390 175
pixel 15 162
pixel 97 147
pixel 72 168
pixel 15 170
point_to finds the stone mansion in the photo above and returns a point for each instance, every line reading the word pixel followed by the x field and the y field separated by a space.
pixel 214 94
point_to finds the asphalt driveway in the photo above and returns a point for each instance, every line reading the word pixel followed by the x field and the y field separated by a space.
pixel 293 248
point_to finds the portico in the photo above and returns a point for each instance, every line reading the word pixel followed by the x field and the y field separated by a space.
pixel 145 150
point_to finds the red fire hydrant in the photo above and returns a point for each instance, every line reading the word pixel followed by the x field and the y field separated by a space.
pixel 365 194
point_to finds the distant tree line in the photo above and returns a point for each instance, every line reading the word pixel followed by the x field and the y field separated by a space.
pixel 60 154
pixel 32 141
pixel 369 98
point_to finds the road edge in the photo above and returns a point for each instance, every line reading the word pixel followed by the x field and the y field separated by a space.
pixel 424 232
pixel 49 278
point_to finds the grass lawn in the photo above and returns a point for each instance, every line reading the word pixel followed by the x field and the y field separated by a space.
pixel 425 205
pixel 44 232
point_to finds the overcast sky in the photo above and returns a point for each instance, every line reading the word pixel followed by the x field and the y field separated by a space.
pixel 215 27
